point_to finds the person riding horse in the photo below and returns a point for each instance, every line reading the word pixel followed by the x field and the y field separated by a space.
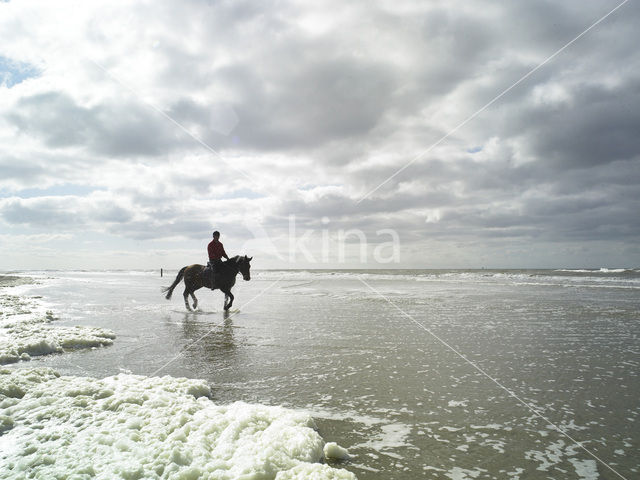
pixel 194 278
pixel 216 252
pixel 216 275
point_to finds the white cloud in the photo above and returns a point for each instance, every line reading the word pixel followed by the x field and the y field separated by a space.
pixel 307 108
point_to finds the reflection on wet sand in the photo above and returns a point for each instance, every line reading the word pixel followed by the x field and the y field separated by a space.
pixel 209 342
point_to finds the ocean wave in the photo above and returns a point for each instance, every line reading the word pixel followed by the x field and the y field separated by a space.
pixel 599 270
pixel 559 277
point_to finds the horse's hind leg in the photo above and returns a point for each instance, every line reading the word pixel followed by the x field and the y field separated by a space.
pixel 195 301
pixel 186 298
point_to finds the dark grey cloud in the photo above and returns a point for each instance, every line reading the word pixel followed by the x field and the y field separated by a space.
pixel 296 106
pixel 64 213
pixel 24 173
pixel 42 214
pixel 601 126
pixel 113 130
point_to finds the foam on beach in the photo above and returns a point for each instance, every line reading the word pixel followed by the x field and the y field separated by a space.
pixel 27 329
pixel 136 427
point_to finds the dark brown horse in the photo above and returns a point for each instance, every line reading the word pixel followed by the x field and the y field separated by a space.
pixel 224 279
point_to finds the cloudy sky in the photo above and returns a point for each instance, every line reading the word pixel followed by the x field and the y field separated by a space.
pixel 320 134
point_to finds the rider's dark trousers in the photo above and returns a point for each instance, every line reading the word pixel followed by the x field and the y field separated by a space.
pixel 215 264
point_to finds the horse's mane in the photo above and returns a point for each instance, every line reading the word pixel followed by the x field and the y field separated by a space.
pixel 236 259
pixel 232 263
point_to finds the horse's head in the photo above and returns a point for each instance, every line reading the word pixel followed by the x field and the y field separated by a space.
pixel 244 266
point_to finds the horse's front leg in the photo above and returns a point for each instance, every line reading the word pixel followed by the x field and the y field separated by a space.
pixel 228 295
pixel 186 299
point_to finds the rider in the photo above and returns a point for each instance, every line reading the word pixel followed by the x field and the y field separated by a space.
pixel 216 252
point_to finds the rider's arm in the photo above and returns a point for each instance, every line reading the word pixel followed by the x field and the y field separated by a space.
pixel 224 254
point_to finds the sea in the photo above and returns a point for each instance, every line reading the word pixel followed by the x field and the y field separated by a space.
pixel 418 374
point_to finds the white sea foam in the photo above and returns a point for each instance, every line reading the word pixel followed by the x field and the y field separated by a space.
pixel 457 473
pixel 27 330
pixel 393 436
pixel 137 427
pixel 314 471
pixel 24 340
pixel 585 469
pixel 333 450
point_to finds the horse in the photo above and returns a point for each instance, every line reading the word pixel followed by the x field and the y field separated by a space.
pixel 224 279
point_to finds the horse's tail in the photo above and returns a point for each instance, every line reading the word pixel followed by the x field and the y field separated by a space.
pixel 169 290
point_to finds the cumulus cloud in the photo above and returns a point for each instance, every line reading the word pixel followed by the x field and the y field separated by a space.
pixel 163 121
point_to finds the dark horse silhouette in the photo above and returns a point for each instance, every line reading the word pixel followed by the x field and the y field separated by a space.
pixel 225 279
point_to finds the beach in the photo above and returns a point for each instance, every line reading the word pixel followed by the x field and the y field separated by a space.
pixel 417 374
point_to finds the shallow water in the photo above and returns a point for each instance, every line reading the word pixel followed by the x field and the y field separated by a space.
pixel 432 374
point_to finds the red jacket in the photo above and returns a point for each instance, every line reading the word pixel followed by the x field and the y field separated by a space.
pixel 216 251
